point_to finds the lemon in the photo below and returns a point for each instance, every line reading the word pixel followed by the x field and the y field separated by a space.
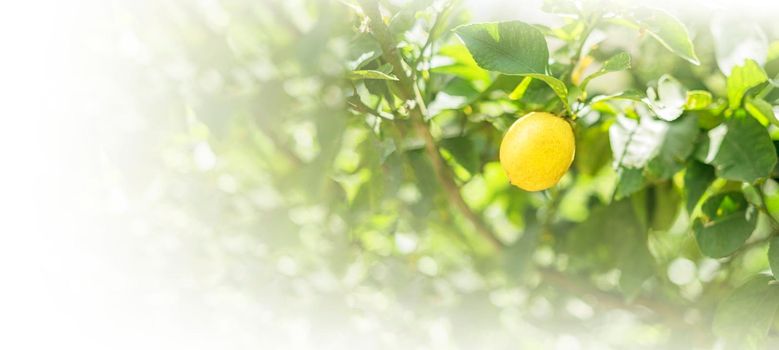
pixel 537 150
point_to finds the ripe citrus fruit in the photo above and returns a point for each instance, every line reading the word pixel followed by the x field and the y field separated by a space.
pixel 537 150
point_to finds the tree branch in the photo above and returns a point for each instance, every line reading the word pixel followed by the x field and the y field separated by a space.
pixel 408 92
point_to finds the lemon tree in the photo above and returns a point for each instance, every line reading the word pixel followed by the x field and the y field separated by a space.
pixel 682 160
pixel 596 169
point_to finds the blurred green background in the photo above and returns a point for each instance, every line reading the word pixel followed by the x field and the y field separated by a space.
pixel 254 207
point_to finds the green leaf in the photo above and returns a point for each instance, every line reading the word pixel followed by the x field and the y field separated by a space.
pixel 736 40
pixel 726 221
pixel 745 316
pixel 740 150
pixel 521 88
pixel 614 237
pixel 697 100
pixel 743 78
pixel 773 256
pixel 752 195
pixel 629 181
pixel 618 62
pixel 761 110
pixel 697 179
pixel 667 30
pixel 675 147
pixel 557 86
pixel 370 74
pixel 512 47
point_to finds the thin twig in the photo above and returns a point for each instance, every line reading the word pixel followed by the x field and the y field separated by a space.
pixel 431 37
pixel 590 26
pixel 620 167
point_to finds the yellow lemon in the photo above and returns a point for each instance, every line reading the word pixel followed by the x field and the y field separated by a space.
pixel 537 150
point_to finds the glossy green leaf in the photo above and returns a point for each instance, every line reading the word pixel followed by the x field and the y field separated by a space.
pixel 726 221
pixel 512 47
pixel 752 195
pixel 740 150
pixel 743 78
pixel 697 179
pixel 521 88
pixel 745 316
pixel 629 181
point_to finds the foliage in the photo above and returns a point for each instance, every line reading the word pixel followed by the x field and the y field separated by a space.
pixel 357 142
